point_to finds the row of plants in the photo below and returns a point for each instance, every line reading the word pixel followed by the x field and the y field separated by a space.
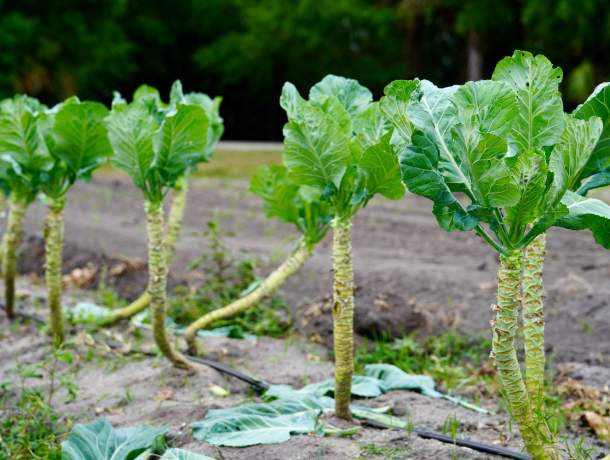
pixel 497 157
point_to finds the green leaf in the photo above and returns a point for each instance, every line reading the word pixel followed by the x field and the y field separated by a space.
pixel 391 378
pixel 130 132
pixel 252 424
pixel 536 83
pixel 100 441
pixel 280 194
pixel 212 110
pixel 181 454
pixel 371 126
pixel 80 138
pixel 436 116
pixel 21 137
pixel 181 141
pixel 382 170
pixel 395 104
pixel 597 105
pixel 530 170
pixel 587 213
pixel 486 111
pixel 595 181
pixel 354 97
pixel 316 149
pixel 570 156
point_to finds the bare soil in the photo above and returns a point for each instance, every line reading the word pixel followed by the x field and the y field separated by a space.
pixel 410 275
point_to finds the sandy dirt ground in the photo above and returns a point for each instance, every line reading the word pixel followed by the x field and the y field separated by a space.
pixel 410 276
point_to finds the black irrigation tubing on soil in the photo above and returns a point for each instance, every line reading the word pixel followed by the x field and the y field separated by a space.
pixel 260 386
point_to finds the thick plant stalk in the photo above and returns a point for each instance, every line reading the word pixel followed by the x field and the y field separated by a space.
pixel 54 239
pixel 267 288
pixel 533 321
pixel 172 232
pixel 157 284
pixel 504 330
pixel 343 316
pixel 12 240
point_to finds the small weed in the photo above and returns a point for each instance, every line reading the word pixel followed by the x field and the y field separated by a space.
pixel 373 450
pixel 31 429
pixel 452 359
pixel 226 279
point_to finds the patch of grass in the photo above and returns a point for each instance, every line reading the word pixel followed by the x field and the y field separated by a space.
pixel 372 450
pixel 238 163
pixel 454 360
pixel 225 279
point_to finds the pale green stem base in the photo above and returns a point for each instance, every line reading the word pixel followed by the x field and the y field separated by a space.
pixel 267 288
pixel 343 316
pixel 172 232
pixel 11 243
pixel 533 321
pixel 504 330
pixel 157 284
pixel 54 237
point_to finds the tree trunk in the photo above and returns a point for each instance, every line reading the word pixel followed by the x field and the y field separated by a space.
pixel 12 241
pixel 54 240
pixel 267 288
pixel 157 284
pixel 475 57
pixel 343 316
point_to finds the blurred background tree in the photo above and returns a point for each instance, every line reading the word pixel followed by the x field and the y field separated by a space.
pixel 245 49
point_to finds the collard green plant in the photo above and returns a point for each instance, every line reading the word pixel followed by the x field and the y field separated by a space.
pixel 77 143
pixel 299 205
pixel 339 144
pixel 150 98
pixel 157 146
pixel 24 159
pixel 498 157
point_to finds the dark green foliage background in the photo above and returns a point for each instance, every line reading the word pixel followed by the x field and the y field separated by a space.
pixel 245 49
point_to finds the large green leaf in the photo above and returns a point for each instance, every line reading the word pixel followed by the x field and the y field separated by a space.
pixel 181 141
pixel 354 97
pixel 212 110
pixel 435 114
pixel 395 105
pixel 100 441
pixel 572 153
pixel 371 126
pixel 382 170
pixel 530 170
pixel 280 194
pixel 587 213
pixel 536 83
pixel 79 136
pixel 317 149
pixel 131 131
pixel 251 424
pixel 486 111
pixel 595 181
pixel 598 105
pixel 20 134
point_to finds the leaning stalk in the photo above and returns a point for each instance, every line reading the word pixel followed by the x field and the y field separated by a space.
pixel 533 321
pixel 12 240
pixel 504 330
pixel 157 283
pixel 54 237
pixel 343 316
pixel 269 286
pixel 172 232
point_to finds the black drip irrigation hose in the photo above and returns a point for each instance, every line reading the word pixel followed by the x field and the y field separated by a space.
pixel 260 386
